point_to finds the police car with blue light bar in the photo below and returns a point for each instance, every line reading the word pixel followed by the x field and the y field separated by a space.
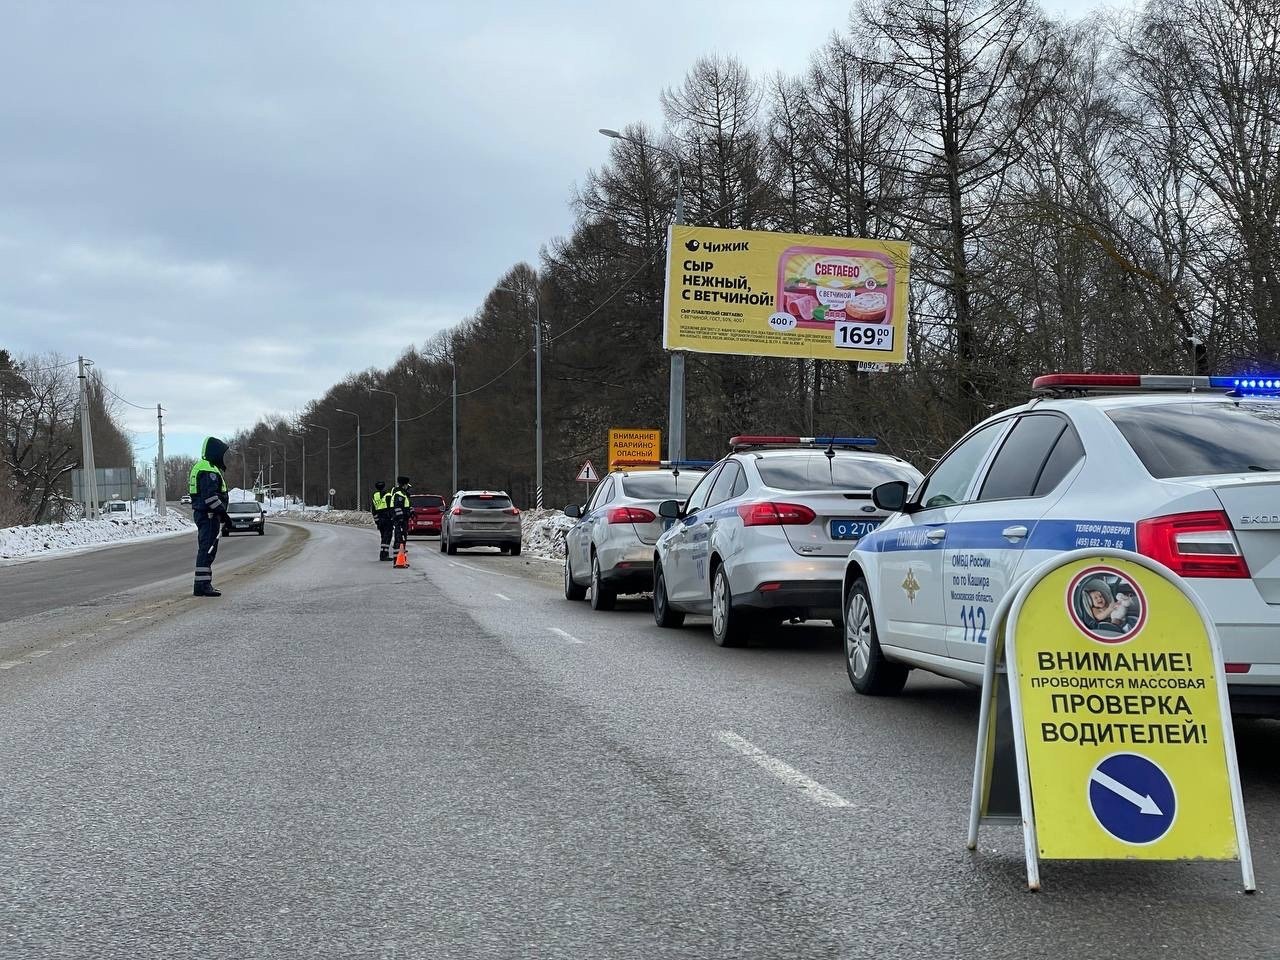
pixel 764 536
pixel 1185 470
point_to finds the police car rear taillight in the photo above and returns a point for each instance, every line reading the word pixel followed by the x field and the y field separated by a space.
pixel 770 514
pixel 631 515
pixel 1199 544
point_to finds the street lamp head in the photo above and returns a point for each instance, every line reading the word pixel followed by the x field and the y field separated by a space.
pixel 611 133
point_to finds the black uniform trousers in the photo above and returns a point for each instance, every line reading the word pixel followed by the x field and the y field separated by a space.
pixel 207 528
pixel 400 528
pixel 383 523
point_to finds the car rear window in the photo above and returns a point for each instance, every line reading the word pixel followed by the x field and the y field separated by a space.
pixel 243 506
pixel 1202 439
pixel 846 471
pixel 661 484
pixel 426 500
pixel 487 502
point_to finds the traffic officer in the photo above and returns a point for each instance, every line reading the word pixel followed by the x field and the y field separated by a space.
pixel 400 509
pixel 382 518
pixel 208 489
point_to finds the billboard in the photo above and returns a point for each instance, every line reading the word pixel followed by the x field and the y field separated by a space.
pixel 785 295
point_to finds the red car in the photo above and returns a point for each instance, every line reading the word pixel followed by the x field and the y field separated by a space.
pixel 425 513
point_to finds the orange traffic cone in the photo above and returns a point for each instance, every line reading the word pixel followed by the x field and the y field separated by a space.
pixel 402 558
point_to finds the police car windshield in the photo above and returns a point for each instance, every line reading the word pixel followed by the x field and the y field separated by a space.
pixel 848 471
pixel 243 506
pixel 660 485
pixel 1202 439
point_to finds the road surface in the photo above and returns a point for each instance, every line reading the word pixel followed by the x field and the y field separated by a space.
pixel 338 759
pixel 43 585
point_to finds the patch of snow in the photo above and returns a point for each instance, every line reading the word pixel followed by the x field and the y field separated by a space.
pixel 544 532
pixel 20 544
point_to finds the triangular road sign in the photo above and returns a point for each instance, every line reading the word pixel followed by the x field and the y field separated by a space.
pixel 588 474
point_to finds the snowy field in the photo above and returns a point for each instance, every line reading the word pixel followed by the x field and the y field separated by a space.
pixel 20 544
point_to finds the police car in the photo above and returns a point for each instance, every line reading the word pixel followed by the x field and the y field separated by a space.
pixel 1185 470
pixel 764 536
pixel 610 547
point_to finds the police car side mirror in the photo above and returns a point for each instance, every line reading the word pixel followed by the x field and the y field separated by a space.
pixel 573 510
pixel 669 509
pixel 891 496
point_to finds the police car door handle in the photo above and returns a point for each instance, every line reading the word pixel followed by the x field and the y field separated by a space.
pixel 937 533
pixel 1014 533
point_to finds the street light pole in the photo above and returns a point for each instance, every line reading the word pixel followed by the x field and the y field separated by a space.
pixel 453 362
pixel 328 462
pixel 303 438
pixel 537 410
pixel 285 457
pixel 675 403
pixel 397 424
pixel 359 489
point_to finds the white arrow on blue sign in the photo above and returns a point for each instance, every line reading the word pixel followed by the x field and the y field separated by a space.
pixel 1132 798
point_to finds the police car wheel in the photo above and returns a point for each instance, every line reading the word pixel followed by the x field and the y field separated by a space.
pixel 602 597
pixel 869 671
pixel 663 615
pixel 572 589
pixel 728 628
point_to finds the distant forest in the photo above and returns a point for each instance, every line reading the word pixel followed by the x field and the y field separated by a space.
pixel 1101 195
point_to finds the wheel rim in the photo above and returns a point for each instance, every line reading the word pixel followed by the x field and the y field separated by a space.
pixel 719 605
pixel 568 579
pixel 660 596
pixel 857 635
pixel 595 578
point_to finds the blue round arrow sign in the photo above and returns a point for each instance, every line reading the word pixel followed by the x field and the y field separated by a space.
pixel 1132 798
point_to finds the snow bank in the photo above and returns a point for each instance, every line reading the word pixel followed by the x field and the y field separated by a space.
pixel 544 532
pixel 76 536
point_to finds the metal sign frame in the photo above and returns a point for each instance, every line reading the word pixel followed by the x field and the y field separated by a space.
pixel 1005 641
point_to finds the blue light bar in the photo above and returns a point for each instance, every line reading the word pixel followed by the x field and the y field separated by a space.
pixel 687 464
pixel 1268 385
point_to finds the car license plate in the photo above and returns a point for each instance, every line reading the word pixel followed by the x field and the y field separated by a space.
pixel 852 529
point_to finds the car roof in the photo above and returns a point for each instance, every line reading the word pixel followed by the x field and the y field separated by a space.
pixel 481 493
pixel 1119 401
pixel 768 453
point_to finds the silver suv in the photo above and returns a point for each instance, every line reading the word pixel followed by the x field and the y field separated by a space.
pixel 481 518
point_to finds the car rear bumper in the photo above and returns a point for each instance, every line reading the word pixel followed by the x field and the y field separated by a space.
pixel 819 599
pixel 460 538
pixel 630 576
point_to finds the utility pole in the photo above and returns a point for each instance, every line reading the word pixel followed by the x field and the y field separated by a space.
pixel 453 361
pixel 284 456
pixel 160 491
pixel 675 408
pixel 537 405
pixel 88 470
pixel 397 424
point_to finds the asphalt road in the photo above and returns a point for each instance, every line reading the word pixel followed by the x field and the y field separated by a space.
pixel 43 585
pixel 338 759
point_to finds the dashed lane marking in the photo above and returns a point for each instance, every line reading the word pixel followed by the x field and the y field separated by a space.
pixel 788 774
pixel 39 653
pixel 501 596
pixel 9 664
pixel 565 634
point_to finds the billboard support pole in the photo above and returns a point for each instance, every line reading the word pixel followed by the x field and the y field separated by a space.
pixel 675 411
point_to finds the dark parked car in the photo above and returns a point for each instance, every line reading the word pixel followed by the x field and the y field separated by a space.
pixel 245 516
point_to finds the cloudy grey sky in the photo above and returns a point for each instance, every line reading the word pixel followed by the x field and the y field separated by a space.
pixel 229 206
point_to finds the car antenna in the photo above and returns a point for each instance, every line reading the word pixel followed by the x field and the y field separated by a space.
pixel 830 454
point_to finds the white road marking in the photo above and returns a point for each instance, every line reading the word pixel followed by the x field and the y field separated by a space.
pixel 492 573
pixel 788 774
pixel 39 653
pixel 67 643
pixel 502 596
pixel 568 636
pixel 9 664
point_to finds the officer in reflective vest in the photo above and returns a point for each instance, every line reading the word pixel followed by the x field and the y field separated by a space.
pixel 400 508
pixel 208 489
pixel 382 518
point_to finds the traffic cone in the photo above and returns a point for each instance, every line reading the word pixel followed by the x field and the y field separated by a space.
pixel 402 558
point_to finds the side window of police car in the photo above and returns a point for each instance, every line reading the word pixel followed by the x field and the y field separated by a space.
pixel 1038 452
pixel 603 494
pixel 725 483
pixel 950 479
pixel 698 499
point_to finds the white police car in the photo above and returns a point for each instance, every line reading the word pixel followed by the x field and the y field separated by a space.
pixel 764 536
pixel 1185 470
